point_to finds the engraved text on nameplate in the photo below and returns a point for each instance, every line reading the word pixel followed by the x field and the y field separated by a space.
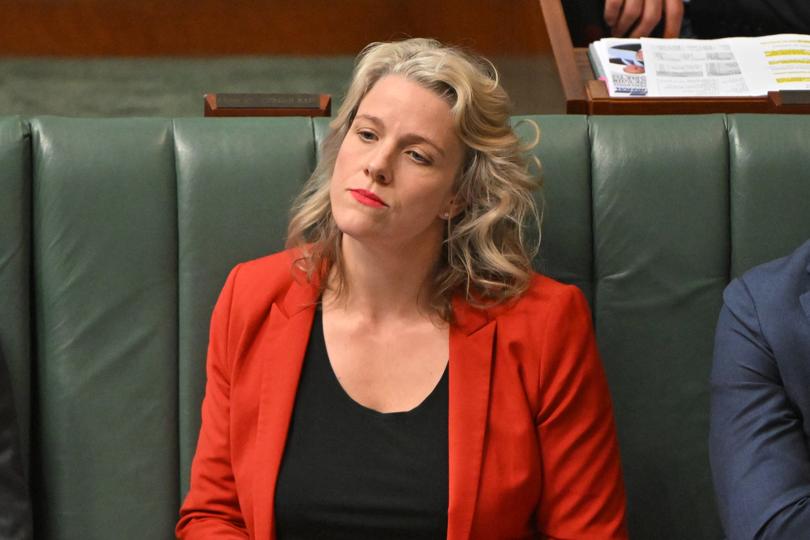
pixel 268 101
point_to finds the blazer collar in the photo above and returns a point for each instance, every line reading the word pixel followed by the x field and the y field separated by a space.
pixel 471 353
pixel 282 350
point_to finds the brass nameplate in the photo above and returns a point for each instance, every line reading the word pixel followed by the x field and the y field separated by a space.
pixel 268 101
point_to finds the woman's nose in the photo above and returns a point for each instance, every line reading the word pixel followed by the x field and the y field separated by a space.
pixel 379 167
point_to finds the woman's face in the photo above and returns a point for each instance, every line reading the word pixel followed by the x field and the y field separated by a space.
pixel 395 170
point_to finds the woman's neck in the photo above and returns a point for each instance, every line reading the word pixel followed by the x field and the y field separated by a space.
pixel 383 283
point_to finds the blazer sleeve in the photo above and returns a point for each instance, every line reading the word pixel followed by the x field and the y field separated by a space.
pixel 583 491
pixel 759 455
pixel 211 509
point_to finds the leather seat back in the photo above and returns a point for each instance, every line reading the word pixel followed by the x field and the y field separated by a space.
pixel 117 234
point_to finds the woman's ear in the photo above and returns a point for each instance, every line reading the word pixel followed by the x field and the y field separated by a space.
pixel 453 208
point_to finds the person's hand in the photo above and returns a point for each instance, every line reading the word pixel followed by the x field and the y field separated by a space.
pixel 637 18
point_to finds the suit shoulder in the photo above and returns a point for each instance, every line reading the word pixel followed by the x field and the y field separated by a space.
pixel 793 267
pixel 773 285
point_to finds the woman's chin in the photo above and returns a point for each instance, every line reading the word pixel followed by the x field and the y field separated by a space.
pixel 358 224
pixel 360 232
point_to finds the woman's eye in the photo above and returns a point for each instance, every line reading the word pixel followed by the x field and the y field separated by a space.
pixel 419 158
pixel 366 135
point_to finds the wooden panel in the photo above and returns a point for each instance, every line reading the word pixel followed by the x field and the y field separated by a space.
pixel 568 66
pixel 268 27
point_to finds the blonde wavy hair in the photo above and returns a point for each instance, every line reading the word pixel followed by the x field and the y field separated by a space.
pixel 489 245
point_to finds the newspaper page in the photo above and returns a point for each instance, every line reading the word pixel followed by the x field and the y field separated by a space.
pixel 704 68
pixel 693 67
pixel 778 62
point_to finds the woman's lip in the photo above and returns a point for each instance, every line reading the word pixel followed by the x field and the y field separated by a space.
pixel 367 198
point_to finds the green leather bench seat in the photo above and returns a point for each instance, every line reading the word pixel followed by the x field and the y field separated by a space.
pixel 661 262
pixel 117 234
pixel 105 290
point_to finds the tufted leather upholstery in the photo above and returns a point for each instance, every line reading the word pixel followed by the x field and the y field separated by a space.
pixel 116 235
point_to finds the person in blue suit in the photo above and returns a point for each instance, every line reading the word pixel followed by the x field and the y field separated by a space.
pixel 760 403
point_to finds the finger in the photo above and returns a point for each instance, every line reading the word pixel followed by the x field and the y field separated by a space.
pixel 631 11
pixel 649 19
pixel 673 18
pixel 612 10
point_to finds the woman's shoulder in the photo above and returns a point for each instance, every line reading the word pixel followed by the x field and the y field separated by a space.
pixel 544 294
pixel 546 303
pixel 268 279
pixel 545 286
pixel 275 267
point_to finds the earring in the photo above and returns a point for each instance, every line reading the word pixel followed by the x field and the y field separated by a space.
pixel 446 215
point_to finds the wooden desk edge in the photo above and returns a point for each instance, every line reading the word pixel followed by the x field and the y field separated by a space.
pixel 598 101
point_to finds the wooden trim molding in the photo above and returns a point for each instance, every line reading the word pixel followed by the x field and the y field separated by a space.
pixel 261 27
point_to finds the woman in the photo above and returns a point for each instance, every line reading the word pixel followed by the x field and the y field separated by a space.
pixel 399 372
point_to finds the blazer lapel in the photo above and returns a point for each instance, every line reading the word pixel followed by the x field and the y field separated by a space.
pixel 471 350
pixel 282 353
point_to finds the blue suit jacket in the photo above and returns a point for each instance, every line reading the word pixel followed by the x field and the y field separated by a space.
pixel 760 416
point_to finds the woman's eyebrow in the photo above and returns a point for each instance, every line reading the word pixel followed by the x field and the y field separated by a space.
pixel 409 138
pixel 370 118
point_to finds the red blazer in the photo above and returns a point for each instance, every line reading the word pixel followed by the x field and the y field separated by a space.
pixel 532 444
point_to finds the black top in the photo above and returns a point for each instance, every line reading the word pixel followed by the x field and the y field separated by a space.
pixel 355 473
